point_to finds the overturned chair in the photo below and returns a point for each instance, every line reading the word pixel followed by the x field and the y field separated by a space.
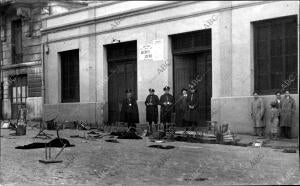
pixel 50 125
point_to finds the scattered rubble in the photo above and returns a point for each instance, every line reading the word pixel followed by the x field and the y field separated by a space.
pixel 162 147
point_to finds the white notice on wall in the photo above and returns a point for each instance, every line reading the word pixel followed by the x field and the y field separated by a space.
pixel 152 51
pixel 145 52
pixel 157 50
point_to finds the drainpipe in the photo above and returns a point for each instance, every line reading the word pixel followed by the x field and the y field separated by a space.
pixel 43 77
pixel 1 64
pixel 298 29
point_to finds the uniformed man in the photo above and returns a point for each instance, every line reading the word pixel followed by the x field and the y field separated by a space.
pixel 166 102
pixel 129 110
pixel 151 103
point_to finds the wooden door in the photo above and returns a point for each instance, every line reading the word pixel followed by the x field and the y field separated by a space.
pixel 122 76
pixel 204 87
pixel 183 73
pixel 196 68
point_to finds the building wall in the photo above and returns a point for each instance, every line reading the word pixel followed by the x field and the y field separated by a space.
pixel 31 49
pixel 241 78
pixel 31 64
pixel 232 61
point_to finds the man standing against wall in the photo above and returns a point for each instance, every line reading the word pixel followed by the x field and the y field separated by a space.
pixel 286 115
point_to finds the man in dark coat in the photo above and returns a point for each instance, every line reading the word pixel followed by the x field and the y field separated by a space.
pixel 151 103
pixel 278 103
pixel 182 108
pixel 129 110
pixel 192 113
pixel 278 100
pixel 166 102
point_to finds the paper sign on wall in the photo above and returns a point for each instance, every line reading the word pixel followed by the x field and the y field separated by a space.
pixel 152 51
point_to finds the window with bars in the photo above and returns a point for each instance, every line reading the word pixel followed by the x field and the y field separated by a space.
pixel 70 76
pixel 275 55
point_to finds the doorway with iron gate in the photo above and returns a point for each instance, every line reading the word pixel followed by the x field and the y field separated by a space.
pixel 122 75
pixel 192 65
pixel 18 94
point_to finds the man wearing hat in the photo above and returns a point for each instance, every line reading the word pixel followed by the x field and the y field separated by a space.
pixel 151 103
pixel 192 113
pixel 166 102
pixel 129 110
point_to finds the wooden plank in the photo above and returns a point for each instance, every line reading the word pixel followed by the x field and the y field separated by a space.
pixel 50 161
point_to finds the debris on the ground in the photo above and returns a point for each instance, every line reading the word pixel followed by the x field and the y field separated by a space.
pixel 145 133
pixel 5 124
pixel 162 147
pixel 83 125
pixel 126 135
pixel 57 142
pixel 112 140
pixel 158 135
pixel 258 143
pixel 49 159
pixel 92 132
pixel 159 141
pixel 91 135
pixel 195 179
pixel 289 150
pixel 193 147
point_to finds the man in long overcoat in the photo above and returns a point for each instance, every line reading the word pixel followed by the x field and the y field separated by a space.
pixel 151 103
pixel 129 111
pixel 257 114
pixel 182 108
pixel 192 114
pixel 166 102
pixel 288 108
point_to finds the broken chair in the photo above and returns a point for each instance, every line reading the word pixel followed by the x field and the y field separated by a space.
pixel 42 131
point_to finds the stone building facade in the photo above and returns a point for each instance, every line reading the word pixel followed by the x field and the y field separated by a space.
pixel 21 54
pixel 228 49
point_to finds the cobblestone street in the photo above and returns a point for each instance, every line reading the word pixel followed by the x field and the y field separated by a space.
pixel 131 162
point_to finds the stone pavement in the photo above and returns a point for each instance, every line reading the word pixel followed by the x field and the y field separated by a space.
pixel 132 162
pixel 246 139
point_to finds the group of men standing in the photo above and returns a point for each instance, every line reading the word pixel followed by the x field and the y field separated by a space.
pixel 282 111
pixel 187 103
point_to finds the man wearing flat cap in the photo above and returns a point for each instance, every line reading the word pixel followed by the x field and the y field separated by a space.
pixel 191 116
pixel 151 103
pixel 129 110
pixel 166 102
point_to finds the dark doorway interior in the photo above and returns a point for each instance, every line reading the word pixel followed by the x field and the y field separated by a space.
pixel 122 75
pixel 192 64
pixel 70 76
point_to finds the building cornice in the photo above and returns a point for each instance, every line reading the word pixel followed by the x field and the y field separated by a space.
pixel 174 18
pixel 119 15
pixel 20 65
pixel 81 9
